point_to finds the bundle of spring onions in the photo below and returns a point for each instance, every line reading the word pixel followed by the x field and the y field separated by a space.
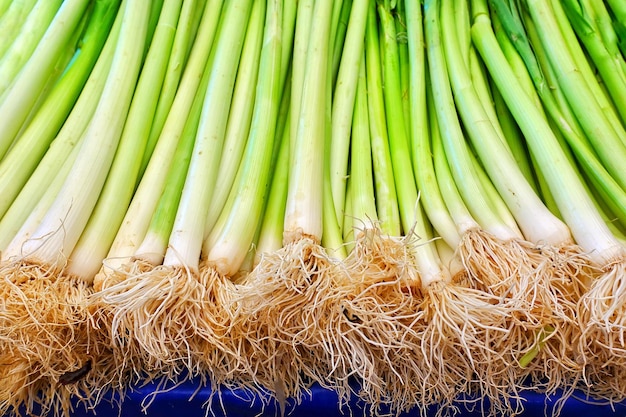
pixel 417 204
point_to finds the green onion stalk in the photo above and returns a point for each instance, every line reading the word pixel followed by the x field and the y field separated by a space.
pixel 133 229
pixel 238 127
pixel 492 249
pixel 610 65
pixel 190 18
pixel 545 284
pixel 21 48
pixel 34 160
pixel 141 241
pixel 610 190
pixel 234 234
pixel 48 315
pixel 285 300
pixel 95 241
pixel 373 294
pixel 366 293
pixel 343 103
pixel 548 282
pixel 133 348
pixel 13 17
pixel 158 297
pixel 455 319
pixel 22 96
pixel 599 342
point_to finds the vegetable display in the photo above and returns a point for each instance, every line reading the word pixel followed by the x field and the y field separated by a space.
pixel 414 203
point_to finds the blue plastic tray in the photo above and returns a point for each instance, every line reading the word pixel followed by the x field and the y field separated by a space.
pixel 187 401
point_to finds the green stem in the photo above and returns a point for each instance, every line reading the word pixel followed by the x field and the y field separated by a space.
pixel 96 239
pixel 230 241
pixel 146 198
pixel 188 232
pixel 411 213
pixel 12 21
pixel 161 220
pixel 185 30
pixel 26 153
pixel 271 234
pixel 343 103
pixel 536 221
pixel 20 98
pixel 609 69
pixel 577 209
pixel 451 133
pixel 303 213
pixel 239 114
pixel 73 205
pixel 20 50
pixel 362 197
pixel 423 167
pixel 581 147
pixel 386 197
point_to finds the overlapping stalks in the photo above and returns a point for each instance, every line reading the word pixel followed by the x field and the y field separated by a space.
pixel 413 203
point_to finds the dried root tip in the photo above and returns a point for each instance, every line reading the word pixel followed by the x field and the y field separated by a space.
pixel 285 319
pixel 379 299
pixel 15 376
pixel 156 316
pixel 602 313
pixel 541 287
pixel 44 331
pixel 462 347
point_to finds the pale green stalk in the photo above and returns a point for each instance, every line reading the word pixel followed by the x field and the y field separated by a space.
pixel 349 220
pixel 339 38
pixel 536 221
pixel 361 193
pixel 300 47
pixel 137 219
pixel 303 212
pixel 231 239
pixel 452 135
pixel 386 196
pixel 240 114
pixel 95 241
pixel 25 197
pixel 404 60
pixel 271 234
pixel 185 31
pixel 22 95
pixel 332 233
pixel 161 220
pixel 577 208
pixel 483 91
pixel 185 242
pixel 19 224
pixel 4 5
pixel 605 25
pixel 618 10
pixel 610 70
pixel 514 139
pixel 586 69
pixel 26 153
pixel 12 20
pixel 459 212
pixel 343 103
pixel 575 138
pixel 66 219
pixel 422 128
pixel 413 219
pixel 495 200
pixel 31 32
